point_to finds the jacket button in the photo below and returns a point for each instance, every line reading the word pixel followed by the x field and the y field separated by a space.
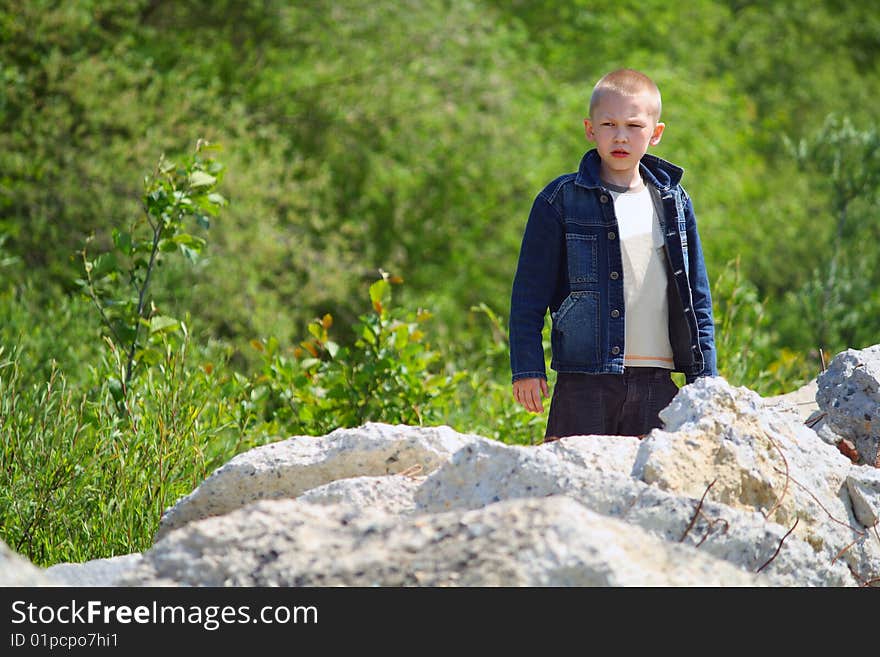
pixel 615 313
pixel 612 235
pixel 615 350
pixel 614 276
pixel 603 198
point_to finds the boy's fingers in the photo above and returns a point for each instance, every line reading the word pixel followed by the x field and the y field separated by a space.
pixel 528 395
pixel 520 396
pixel 544 389
pixel 535 405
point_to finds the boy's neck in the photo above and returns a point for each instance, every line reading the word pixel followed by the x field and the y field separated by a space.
pixel 626 180
pixel 634 187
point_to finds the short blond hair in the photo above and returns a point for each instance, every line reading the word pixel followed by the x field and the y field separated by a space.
pixel 626 82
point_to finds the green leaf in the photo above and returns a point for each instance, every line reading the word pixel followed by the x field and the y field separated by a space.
pixel 192 241
pixel 380 295
pixel 190 254
pixel 150 356
pixel 201 179
pixel 115 386
pixel 163 324
pixel 122 240
pixel 103 265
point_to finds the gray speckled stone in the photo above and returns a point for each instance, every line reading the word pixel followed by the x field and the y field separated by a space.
pixel 849 392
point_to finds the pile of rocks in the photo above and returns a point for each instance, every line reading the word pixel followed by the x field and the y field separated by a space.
pixel 735 490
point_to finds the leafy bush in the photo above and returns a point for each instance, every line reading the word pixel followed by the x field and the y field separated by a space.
pixel 390 373
pixel 118 281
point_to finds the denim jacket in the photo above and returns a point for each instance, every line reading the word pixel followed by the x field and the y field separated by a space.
pixel 570 262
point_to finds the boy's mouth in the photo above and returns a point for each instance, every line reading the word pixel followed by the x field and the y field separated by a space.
pixel 619 153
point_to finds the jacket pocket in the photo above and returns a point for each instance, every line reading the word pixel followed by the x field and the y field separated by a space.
pixel 583 259
pixel 576 325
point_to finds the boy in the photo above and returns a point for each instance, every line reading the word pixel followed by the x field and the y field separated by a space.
pixel 613 252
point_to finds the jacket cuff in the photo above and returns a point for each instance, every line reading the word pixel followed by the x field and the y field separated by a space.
pixel 529 375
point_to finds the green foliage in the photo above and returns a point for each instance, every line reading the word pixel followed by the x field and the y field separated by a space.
pixel 747 345
pixel 835 306
pixel 78 482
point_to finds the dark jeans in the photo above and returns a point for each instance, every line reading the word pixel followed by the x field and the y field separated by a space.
pixel 609 404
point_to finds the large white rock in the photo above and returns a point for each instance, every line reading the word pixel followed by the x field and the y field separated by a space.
pixel 552 541
pixel 759 460
pixel 488 471
pixel 291 467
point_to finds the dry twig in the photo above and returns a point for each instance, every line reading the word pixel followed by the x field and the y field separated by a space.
pixel 787 477
pixel 839 554
pixel 779 547
pixel 839 522
pixel 697 512
pixel 712 524
pixel 813 422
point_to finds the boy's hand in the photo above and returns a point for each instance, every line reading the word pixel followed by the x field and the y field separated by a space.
pixel 528 393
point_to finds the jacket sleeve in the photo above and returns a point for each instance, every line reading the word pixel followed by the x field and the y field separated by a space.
pixel 700 294
pixel 533 288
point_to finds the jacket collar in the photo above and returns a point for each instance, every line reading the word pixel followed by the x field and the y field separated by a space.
pixel 654 170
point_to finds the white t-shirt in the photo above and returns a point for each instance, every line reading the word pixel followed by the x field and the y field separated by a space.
pixel 646 309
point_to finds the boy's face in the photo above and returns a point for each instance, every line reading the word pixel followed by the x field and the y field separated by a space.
pixel 623 127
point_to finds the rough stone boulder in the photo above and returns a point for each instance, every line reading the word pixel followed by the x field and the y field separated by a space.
pixel 722 433
pixel 18 571
pixel 551 541
pixel 291 467
pixel 849 395
pixel 724 443
pixel 97 572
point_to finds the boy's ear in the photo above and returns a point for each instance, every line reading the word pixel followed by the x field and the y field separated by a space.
pixel 588 129
pixel 657 134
